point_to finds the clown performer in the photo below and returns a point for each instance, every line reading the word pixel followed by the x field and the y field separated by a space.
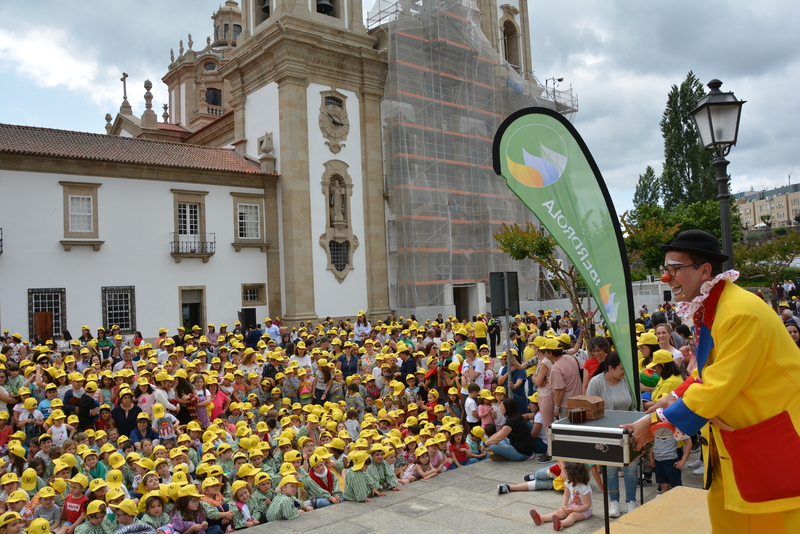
pixel 744 394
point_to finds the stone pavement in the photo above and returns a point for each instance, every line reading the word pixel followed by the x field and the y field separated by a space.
pixel 461 501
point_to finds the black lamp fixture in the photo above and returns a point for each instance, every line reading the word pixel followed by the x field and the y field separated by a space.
pixel 717 119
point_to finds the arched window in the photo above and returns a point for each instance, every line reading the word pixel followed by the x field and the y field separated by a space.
pixel 237 31
pixel 213 97
pixel 511 45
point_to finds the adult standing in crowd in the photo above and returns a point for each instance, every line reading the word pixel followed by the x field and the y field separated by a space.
pixel 609 384
pixel 565 376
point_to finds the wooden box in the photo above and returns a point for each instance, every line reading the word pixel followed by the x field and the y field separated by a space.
pixel 594 406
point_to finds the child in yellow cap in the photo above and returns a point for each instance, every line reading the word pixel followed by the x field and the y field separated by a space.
pixel 47 509
pixel 10 523
pixel 285 505
pixel 16 502
pixel 74 509
pixel 358 484
pixel 95 514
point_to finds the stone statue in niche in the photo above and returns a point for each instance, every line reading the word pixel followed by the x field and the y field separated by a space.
pixel 337 199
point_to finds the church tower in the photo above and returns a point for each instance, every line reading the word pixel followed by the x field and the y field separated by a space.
pixel 306 85
pixel 198 94
pixel 507 27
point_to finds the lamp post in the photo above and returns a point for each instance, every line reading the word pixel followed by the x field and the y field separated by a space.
pixel 717 120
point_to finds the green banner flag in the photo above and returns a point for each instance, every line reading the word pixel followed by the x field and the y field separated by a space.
pixel 547 165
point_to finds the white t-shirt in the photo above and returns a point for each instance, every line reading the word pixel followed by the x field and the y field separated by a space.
pixel 471 406
pixel 578 493
pixel 162 397
pixel 478 365
pixel 305 361
pixel 677 356
pixel 542 431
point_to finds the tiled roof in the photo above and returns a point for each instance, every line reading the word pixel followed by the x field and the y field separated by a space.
pixel 172 127
pixel 33 141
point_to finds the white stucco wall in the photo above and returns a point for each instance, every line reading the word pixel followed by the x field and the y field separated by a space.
pixel 331 297
pixel 261 115
pixel 135 219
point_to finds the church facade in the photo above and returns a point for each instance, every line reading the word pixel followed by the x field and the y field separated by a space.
pixel 325 157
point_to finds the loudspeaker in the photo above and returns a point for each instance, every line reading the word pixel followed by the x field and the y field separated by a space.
pixel 498 293
pixel 667 295
pixel 248 317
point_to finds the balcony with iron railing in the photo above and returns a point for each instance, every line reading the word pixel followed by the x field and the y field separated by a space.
pixel 201 246
pixel 1 240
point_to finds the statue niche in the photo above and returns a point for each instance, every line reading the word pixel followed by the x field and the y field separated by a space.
pixel 338 240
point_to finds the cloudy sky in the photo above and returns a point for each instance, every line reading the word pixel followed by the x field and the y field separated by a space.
pixel 60 64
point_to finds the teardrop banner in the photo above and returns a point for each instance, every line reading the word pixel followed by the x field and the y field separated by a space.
pixel 548 166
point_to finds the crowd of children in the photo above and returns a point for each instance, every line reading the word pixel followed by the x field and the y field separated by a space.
pixel 89 449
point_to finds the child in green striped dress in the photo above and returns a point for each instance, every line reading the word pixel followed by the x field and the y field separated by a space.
pixel 154 513
pixel 285 505
pixel 357 482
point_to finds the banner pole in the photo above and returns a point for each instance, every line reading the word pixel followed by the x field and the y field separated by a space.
pixel 508 329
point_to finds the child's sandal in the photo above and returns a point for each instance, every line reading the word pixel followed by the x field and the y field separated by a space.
pixel 537 519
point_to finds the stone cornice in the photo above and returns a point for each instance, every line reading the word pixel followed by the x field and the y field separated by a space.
pixel 61 166
pixel 298 48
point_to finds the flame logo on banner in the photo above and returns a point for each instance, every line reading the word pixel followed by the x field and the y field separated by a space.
pixel 538 171
pixel 610 306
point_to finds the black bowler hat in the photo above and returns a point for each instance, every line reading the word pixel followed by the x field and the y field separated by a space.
pixel 696 242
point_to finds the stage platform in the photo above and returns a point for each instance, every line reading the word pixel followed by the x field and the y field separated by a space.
pixel 678 511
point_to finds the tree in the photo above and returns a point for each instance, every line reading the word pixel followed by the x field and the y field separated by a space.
pixel 647 189
pixel 523 243
pixel 767 219
pixel 688 174
pixel 643 241
pixel 766 258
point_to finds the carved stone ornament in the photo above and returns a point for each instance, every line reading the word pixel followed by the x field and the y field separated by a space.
pixel 338 240
pixel 510 10
pixel 333 120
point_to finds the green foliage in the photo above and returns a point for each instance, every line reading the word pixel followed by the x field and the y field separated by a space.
pixel 649 227
pixel 766 259
pixel 644 239
pixel 647 189
pixel 781 230
pixel 688 176
pixel 790 273
pixel 529 243
pixel 637 275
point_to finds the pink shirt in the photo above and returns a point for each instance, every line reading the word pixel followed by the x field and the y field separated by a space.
pixel 566 375
pixel 219 401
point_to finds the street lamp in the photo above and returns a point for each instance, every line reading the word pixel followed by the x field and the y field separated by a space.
pixel 717 120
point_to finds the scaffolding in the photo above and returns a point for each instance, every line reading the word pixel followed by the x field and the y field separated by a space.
pixel 447 92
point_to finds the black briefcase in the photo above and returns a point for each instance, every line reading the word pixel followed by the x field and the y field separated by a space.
pixel 597 441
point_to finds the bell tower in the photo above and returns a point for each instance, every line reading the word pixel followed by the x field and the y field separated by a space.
pixel 198 94
pixel 305 74
pixel 507 27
